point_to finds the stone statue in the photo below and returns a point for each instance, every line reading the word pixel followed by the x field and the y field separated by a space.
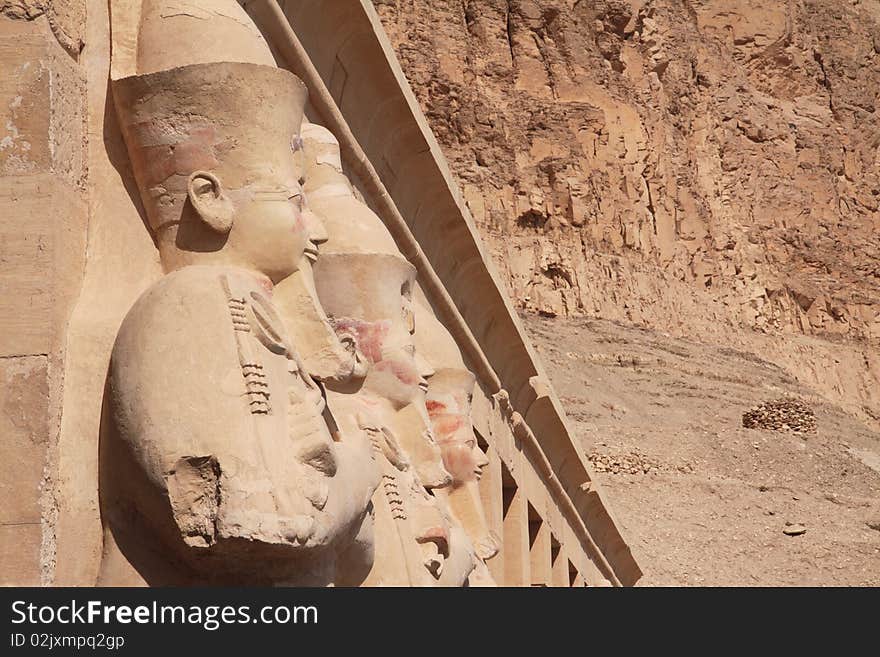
pixel 365 286
pixel 220 462
pixel 450 391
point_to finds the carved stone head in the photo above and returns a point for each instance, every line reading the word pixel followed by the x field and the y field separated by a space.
pixel 367 297
pixel 211 148
pixel 449 407
pixel 365 286
pixel 450 392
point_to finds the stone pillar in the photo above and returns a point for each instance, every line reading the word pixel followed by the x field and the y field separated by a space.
pixel 492 494
pixel 42 233
pixel 515 546
pixel 539 549
pixel 559 565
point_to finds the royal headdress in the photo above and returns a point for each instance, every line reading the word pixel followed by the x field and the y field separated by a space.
pixel 201 93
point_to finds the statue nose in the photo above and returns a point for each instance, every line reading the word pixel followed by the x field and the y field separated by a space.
pixel 317 230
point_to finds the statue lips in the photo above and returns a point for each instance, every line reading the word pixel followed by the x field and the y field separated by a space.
pixel 478 471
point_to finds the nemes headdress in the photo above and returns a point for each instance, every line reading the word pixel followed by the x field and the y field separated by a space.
pixel 233 119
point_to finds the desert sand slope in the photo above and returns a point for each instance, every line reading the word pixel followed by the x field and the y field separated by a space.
pixel 702 500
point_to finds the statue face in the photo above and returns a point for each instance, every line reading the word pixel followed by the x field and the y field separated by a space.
pixel 269 230
pixel 316 230
pixel 398 376
pixel 462 457
pixel 367 297
pixel 372 310
pixel 449 408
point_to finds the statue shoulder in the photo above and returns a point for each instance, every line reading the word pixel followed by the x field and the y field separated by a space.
pixel 184 378
pixel 182 294
pixel 177 339
pixel 193 303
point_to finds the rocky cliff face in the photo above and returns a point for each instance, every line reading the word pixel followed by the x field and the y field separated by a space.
pixel 704 167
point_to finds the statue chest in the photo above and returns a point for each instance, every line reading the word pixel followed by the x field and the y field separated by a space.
pixel 276 390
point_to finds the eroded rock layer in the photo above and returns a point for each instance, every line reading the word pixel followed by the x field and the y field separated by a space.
pixel 670 162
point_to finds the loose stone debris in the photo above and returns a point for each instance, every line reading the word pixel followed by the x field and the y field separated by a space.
pixel 794 529
pixel 784 414
pixel 630 463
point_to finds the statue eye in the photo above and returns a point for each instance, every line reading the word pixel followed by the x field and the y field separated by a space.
pixel 297 200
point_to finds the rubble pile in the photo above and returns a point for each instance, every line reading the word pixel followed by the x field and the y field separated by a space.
pixel 630 463
pixel 784 414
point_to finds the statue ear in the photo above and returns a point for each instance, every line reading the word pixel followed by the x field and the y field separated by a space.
pixel 205 193
pixel 357 361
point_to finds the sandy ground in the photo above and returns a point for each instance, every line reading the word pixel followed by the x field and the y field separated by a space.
pixel 710 499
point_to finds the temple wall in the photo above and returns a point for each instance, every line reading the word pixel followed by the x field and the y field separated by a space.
pixel 122 262
pixel 75 255
pixel 43 173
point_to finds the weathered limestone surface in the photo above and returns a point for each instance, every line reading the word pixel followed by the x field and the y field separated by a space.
pixel 724 145
pixel 42 236
pixel 704 168
pixel 24 425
